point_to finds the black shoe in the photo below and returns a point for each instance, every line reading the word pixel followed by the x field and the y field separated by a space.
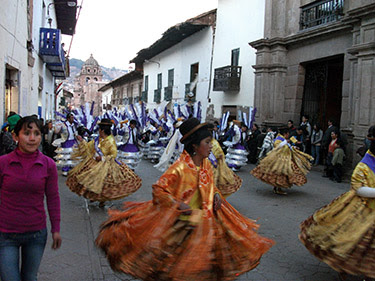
pixel 324 176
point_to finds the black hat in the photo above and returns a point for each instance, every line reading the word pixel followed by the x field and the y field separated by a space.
pixel 106 122
pixel 190 126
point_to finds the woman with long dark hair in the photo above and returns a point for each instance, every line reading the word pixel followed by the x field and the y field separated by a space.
pixel 342 234
pixel 188 231
pixel 27 176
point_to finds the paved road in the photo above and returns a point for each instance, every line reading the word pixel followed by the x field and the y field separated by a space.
pixel 279 218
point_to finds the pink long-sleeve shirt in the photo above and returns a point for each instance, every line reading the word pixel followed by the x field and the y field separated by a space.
pixel 25 179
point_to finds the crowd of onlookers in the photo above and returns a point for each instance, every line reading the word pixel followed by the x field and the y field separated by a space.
pixel 326 147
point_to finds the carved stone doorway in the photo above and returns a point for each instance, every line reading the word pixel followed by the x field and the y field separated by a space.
pixel 322 93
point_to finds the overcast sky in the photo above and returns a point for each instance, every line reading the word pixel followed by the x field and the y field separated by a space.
pixel 115 30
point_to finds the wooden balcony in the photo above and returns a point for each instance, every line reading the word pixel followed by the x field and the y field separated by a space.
pixel 52 52
pixel 227 78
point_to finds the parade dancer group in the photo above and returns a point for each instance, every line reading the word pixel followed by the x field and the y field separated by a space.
pixel 188 231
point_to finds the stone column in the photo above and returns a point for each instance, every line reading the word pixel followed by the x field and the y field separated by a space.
pixel 270 73
pixel 362 75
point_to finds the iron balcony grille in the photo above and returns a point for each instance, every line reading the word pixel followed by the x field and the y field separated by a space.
pixel 227 78
pixel 321 12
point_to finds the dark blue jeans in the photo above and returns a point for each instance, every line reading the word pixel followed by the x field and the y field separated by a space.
pixel 32 246
pixel 315 152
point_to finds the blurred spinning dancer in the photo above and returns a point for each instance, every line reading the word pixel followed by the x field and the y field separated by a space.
pixel 224 178
pixel 283 166
pixel 342 234
pixel 100 177
pixel 188 231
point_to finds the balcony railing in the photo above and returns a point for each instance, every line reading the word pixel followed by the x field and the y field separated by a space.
pixel 227 78
pixel 168 91
pixel 321 12
pixel 52 52
pixel 144 96
pixel 157 95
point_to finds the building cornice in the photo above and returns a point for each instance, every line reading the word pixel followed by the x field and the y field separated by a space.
pixel 303 35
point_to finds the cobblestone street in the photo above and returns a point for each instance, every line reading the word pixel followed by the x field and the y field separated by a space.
pixel 279 218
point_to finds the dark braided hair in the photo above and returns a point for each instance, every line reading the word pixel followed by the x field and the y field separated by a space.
pixel 371 134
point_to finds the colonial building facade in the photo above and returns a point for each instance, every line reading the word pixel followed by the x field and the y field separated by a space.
pixel 232 86
pixel 32 57
pixel 124 90
pixel 318 58
pixel 177 67
pixel 86 86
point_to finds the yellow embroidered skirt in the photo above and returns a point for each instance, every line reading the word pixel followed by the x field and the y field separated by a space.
pixel 342 234
pixel 103 180
pixel 283 167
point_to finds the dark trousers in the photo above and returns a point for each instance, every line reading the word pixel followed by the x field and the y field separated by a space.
pixel 329 167
pixel 337 172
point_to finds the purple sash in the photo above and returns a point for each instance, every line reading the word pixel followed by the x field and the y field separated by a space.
pixel 213 159
pixel 280 138
pixel 369 160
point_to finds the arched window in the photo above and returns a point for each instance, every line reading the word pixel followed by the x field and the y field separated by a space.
pixel 95 79
pixel 87 80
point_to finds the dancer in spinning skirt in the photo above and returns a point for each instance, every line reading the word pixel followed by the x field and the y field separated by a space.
pixel 342 234
pixel 188 231
pixel 100 176
pixel 283 166
pixel 225 179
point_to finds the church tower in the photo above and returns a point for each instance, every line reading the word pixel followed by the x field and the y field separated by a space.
pixel 86 85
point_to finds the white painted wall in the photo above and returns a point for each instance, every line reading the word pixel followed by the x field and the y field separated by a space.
pixel 106 97
pixel 194 49
pixel 238 23
pixel 13 52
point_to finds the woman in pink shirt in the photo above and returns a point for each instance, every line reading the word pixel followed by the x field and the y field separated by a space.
pixel 26 178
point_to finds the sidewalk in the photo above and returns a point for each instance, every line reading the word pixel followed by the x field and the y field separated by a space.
pixel 77 259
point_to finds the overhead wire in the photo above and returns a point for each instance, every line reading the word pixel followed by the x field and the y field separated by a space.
pixel 71 41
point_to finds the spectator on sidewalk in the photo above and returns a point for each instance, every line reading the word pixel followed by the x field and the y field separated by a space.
pixel 331 149
pixel 7 143
pixel 316 143
pixel 307 134
pixel 26 178
pixel 337 161
pixel 327 138
pixel 49 136
pixel 252 144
